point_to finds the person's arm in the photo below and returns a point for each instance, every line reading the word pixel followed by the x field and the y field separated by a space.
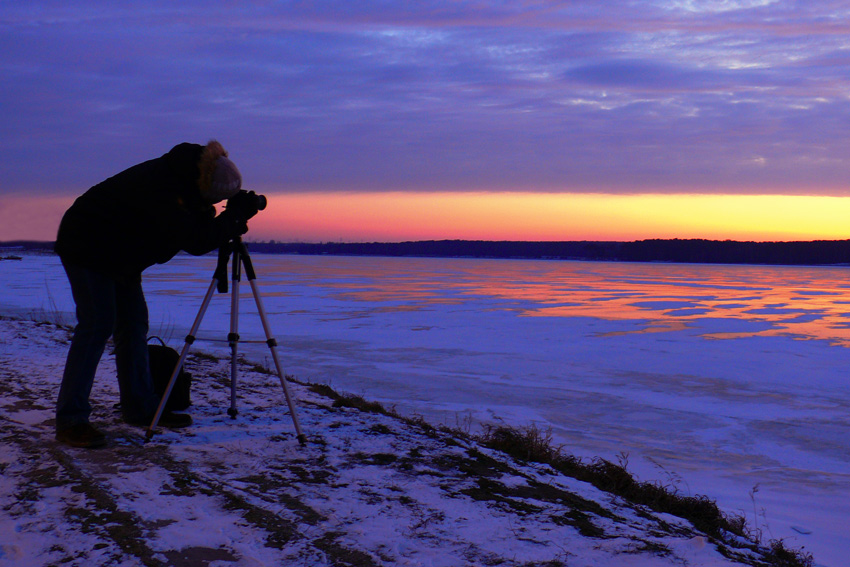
pixel 203 232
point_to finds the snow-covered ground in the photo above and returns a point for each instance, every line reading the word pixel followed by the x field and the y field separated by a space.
pixel 698 373
pixel 367 489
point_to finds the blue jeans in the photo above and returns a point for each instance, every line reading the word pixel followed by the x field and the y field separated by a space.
pixel 106 307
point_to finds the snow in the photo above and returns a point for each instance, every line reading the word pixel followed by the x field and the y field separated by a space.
pixel 719 380
pixel 367 490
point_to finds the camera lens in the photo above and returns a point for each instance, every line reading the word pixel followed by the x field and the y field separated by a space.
pixel 261 202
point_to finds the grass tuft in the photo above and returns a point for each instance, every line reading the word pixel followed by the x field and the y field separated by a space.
pixel 527 443
pixel 358 402
pixel 781 556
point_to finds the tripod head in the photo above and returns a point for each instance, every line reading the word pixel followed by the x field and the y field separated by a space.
pixel 237 249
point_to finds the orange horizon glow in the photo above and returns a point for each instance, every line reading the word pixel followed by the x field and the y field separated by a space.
pixel 398 216
pixel 401 216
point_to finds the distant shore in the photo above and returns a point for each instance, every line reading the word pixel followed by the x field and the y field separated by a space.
pixel 816 252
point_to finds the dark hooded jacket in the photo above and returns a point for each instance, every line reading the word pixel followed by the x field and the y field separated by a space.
pixel 145 215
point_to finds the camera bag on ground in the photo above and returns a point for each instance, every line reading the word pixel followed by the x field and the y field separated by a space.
pixel 163 359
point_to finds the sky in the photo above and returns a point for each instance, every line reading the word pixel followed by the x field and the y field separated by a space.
pixel 377 120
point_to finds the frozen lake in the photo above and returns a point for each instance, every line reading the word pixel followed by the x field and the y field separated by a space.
pixel 729 381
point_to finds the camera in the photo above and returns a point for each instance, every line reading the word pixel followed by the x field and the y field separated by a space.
pixel 245 204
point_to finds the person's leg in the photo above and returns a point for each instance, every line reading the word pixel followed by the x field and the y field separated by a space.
pixel 94 296
pixel 138 399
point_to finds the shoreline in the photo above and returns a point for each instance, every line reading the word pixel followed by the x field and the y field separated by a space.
pixel 677 251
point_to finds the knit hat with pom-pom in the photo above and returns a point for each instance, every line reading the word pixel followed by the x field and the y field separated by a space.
pixel 226 180
pixel 219 177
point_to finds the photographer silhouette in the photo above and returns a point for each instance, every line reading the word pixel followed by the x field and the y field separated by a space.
pixel 142 216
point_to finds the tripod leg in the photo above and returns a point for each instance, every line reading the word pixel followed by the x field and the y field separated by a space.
pixel 233 338
pixel 190 338
pixel 302 439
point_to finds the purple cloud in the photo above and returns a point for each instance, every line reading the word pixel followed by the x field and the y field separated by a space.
pixel 613 96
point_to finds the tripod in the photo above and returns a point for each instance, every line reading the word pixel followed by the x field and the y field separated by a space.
pixel 240 258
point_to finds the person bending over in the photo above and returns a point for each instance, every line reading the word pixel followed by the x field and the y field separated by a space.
pixel 142 216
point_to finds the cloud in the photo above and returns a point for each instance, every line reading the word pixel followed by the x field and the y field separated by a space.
pixel 715 6
pixel 650 76
pixel 615 96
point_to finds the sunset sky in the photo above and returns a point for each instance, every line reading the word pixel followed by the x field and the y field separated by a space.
pixel 388 121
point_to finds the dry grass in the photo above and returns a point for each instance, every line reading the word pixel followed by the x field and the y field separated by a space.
pixel 532 444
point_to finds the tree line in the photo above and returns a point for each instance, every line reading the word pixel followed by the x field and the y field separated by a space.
pixel 656 250
pixel 817 252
